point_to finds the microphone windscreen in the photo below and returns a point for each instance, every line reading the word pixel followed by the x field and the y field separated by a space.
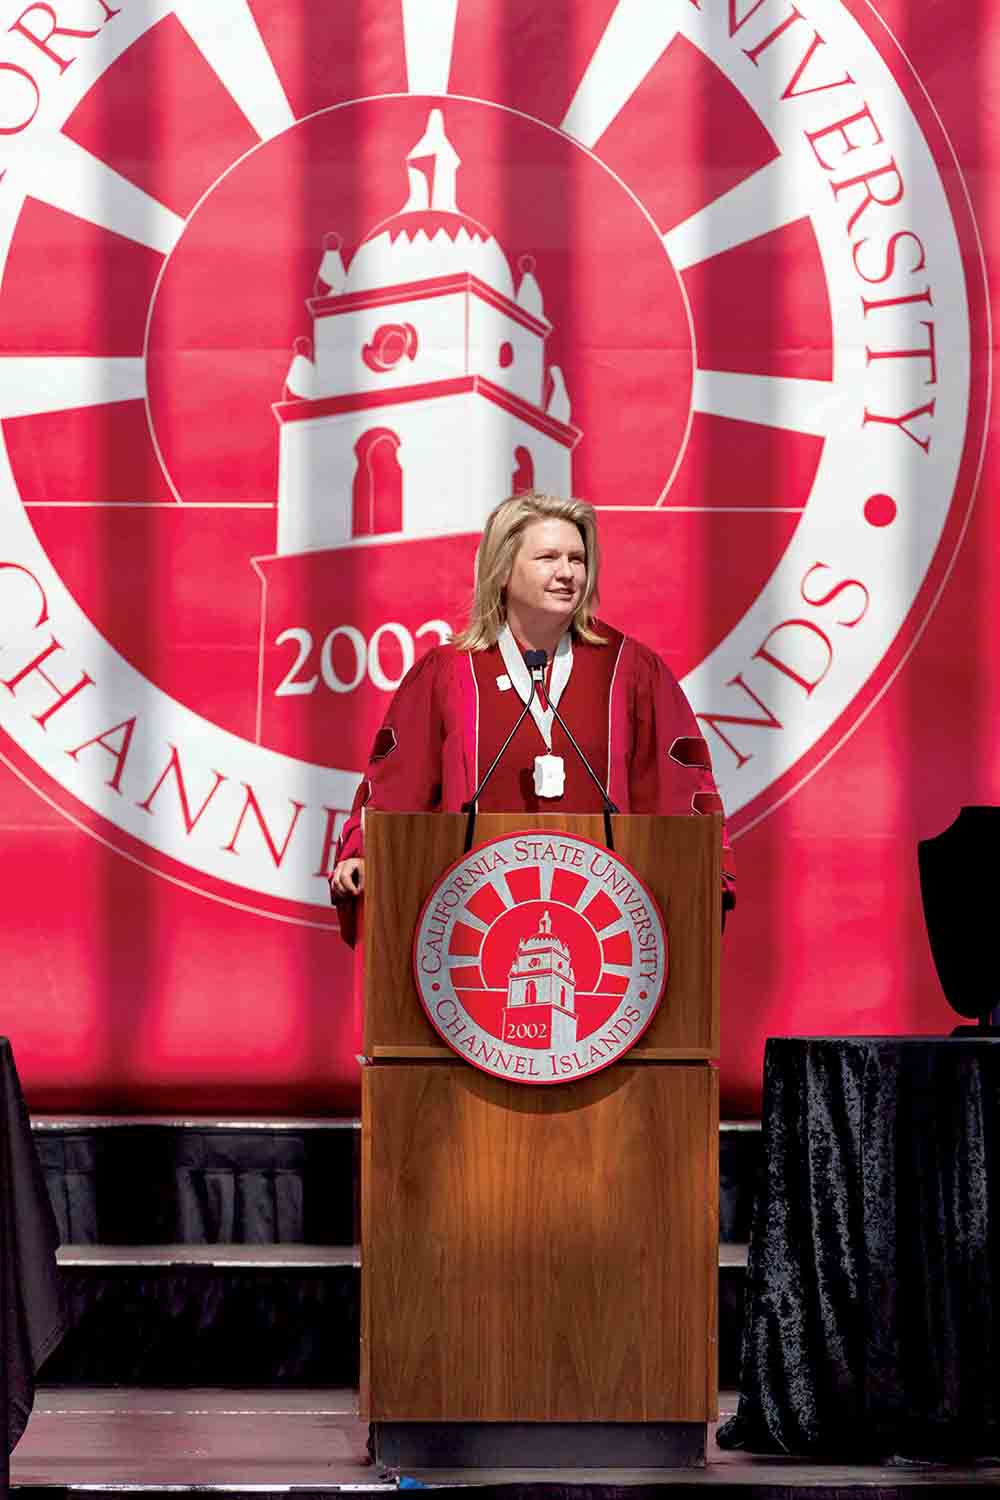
pixel 535 659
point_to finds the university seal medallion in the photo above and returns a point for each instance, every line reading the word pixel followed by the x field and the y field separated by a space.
pixel 540 958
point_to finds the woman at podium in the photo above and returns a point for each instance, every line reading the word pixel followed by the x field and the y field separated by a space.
pixel 537 571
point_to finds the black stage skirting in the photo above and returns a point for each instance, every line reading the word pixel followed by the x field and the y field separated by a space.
pixel 144 1183
pixel 30 1297
pixel 873 1290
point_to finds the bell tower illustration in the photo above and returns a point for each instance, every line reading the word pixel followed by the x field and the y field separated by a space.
pixel 541 993
pixel 423 395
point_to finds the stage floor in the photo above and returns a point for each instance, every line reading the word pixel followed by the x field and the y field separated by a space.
pixel 313 1440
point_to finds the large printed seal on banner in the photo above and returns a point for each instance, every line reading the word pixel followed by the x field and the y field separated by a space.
pixel 293 294
pixel 540 958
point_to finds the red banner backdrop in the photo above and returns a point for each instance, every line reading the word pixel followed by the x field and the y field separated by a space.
pixel 292 294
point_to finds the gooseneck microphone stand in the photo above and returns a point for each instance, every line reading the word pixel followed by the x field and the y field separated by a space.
pixel 536 661
pixel 609 806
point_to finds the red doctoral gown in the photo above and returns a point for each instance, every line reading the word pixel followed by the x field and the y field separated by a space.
pixel 454 709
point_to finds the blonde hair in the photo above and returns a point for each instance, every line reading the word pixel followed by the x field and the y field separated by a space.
pixel 498 548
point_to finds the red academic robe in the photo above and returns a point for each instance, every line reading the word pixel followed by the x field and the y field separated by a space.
pixel 451 714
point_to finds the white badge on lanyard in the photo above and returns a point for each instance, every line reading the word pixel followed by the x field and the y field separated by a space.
pixel 550 776
pixel 549 769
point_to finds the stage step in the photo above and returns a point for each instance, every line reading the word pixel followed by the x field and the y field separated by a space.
pixel 257 1257
pixel 225 1251
pixel 162 1180
pixel 222 1257
pixel 155 1179
pixel 266 1315
pixel 254 1445
pixel 271 1315
pixel 155 1440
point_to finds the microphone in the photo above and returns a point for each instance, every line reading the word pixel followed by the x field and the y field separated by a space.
pixel 536 662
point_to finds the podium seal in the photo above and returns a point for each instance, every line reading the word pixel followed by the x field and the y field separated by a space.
pixel 540 957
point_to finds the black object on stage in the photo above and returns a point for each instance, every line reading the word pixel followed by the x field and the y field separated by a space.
pixel 957 883
pixel 873 1283
pixel 32 1312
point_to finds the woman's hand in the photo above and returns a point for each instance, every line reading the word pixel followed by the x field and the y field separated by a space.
pixel 348 879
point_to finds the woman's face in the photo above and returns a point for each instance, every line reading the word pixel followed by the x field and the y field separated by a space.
pixel 549 573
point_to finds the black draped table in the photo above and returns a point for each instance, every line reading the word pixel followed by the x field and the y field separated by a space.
pixel 873 1286
pixel 30 1298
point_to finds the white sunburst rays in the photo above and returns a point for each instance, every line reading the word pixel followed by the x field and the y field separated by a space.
pixel 815 407
pixel 546 872
pixel 474 961
pixel 611 929
pixel 634 39
pixel 590 889
pixel 32 384
pixel 763 203
pixel 454 961
pixel 469 919
pixel 636 36
pixel 428 40
pixel 57 170
pixel 621 924
pixel 49 166
pixel 227 37
pixel 53 169
pixel 760 204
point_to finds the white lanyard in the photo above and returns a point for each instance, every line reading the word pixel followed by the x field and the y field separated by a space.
pixel 520 677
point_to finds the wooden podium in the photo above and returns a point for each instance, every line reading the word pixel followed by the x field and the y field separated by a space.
pixel 540 1264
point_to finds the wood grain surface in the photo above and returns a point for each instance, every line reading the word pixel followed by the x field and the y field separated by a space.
pixel 539 1254
pixel 678 858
